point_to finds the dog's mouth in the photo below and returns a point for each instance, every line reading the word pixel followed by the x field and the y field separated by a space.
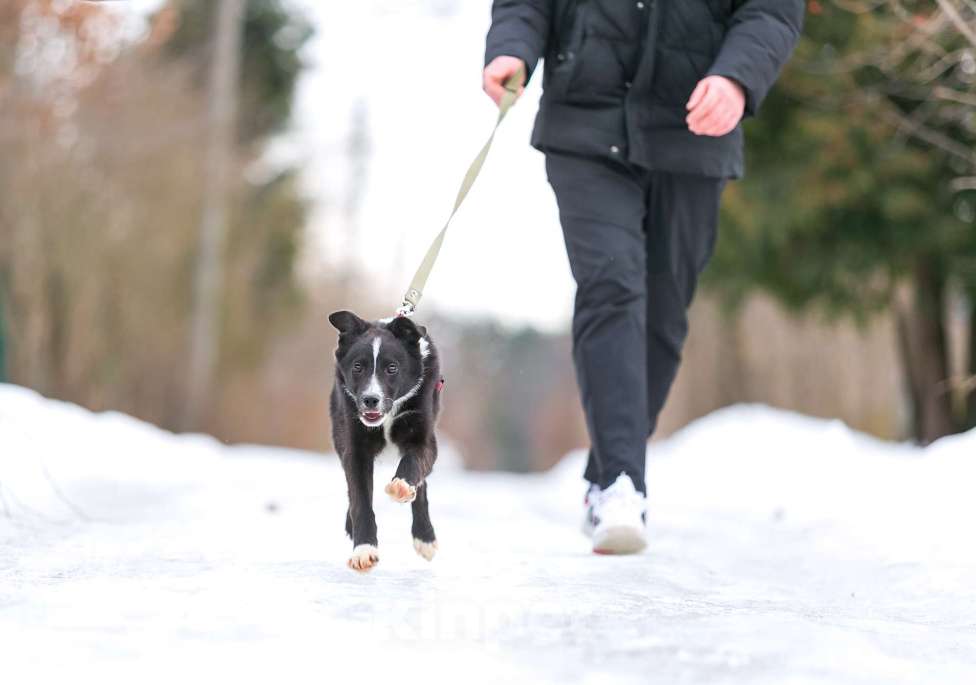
pixel 372 418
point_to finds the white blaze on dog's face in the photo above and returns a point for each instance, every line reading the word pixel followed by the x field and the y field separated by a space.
pixel 380 366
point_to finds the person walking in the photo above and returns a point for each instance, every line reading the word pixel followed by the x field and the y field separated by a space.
pixel 640 124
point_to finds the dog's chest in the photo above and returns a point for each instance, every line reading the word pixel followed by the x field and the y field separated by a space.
pixel 389 453
pixel 388 431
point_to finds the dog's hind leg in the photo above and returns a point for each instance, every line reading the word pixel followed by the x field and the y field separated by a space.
pixel 423 532
pixel 362 520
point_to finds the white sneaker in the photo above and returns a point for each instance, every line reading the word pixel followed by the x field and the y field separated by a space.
pixel 615 517
pixel 589 508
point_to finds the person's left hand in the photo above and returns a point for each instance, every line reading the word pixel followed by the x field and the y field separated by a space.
pixel 716 106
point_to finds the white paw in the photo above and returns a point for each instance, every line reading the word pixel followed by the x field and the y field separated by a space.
pixel 425 549
pixel 400 490
pixel 364 557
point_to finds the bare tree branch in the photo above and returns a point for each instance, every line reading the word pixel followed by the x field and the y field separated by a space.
pixel 953 14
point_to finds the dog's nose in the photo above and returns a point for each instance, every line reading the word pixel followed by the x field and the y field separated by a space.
pixel 371 401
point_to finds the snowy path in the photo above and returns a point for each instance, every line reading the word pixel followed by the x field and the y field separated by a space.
pixel 783 550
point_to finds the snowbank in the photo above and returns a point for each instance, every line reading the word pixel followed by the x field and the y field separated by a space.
pixel 784 550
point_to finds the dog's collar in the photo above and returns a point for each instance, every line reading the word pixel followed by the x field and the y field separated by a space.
pixel 400 401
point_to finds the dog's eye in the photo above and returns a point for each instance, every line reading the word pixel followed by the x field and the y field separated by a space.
pixel 391 369
pixel 358 367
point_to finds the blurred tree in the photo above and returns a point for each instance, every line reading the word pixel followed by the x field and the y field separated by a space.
pixel 271 63
pixel 357 154
pixel 857 197
pixel 9 20
pixel 513 405
pixel 100 190
pixel 222 98
pixel 3 336
pixel 250 91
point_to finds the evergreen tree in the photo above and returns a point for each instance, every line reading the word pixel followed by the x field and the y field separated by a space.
pixel 271 63
pixel 859 197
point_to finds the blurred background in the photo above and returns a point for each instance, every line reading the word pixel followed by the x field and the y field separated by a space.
pixel 189 188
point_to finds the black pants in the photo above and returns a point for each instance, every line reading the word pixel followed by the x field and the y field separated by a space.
pixel 637 241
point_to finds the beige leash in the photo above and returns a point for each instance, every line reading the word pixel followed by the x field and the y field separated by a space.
pixel 416 290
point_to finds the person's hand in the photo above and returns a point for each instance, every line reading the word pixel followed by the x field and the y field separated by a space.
pixel 716 106
pixel 497 72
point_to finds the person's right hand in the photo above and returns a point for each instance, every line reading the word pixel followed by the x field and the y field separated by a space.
pixel 497 72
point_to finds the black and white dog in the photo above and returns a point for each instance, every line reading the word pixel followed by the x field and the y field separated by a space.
pixel 387 389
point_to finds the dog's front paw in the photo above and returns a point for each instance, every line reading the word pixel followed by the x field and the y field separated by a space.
pixel 364 557
pixel 425 549
pixel 400 490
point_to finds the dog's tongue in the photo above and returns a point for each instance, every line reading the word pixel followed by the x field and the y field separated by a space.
pixel 372 415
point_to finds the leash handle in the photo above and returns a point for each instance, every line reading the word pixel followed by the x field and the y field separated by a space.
pixel 416 290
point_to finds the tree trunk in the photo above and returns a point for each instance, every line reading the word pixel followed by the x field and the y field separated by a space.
pixel 921 332
pixel 224 73
pixel 3 329
pixel 970 383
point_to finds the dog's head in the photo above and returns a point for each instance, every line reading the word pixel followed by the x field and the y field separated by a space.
pixel 379 365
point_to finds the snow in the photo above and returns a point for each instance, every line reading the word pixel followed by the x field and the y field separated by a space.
pixel 784 549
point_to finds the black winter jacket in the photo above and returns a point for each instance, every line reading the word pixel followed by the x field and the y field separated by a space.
pixel 618 73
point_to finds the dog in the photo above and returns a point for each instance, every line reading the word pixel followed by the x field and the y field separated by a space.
pixel 387 390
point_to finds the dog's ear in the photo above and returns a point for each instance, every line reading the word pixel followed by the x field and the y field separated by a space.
pixel 406 330
pixel 347 322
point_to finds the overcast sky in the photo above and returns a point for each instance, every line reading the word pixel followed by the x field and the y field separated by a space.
pixel 414 68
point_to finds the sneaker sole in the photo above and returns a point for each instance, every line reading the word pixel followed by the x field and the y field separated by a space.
pixel 619 540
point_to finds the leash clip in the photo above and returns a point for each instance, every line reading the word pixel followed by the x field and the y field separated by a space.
pixel 410 300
